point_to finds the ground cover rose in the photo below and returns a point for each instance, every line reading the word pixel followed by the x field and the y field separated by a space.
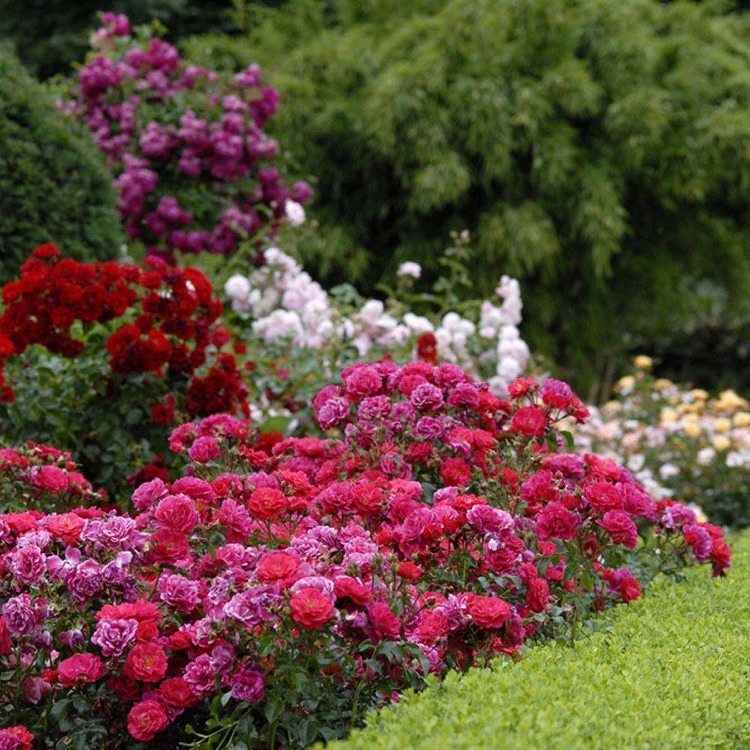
pixel 316 572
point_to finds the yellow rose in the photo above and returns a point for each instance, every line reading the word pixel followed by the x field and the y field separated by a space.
pixel 741 419
pixel 692 429
pixel 730 400
pixel 643 362
pixel 662 384
pixel 722 424
pixel 668 415
pixel 625 383
pixel 699 394
pixel 721 443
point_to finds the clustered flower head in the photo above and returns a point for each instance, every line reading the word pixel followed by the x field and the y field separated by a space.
pixel 436 519
pixel 44 478
pixel 193 164
pixel 164 322
pixel 677 441
pixel 287 305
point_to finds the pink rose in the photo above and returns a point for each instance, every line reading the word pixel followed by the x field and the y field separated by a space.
pixel 80 668
pixel 620 527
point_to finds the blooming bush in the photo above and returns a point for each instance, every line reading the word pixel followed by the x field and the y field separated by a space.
pixel 280 306
pixel 103 358
pixel 678 442
pixel 278 590
pixel 43 478
pixel 193 166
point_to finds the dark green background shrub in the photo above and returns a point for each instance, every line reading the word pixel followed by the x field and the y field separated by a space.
pixel 51 35
pixel 669 671
pixel 596 149
pixel 54 185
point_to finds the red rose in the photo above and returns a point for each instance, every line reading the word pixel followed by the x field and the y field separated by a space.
pixel 537 594
pixel 176 692
pixel 629 589
pixel 170 546
pixel 620 527
pixel 276 566
pixel 529 420
pixel 555 521
pixel 5 642
pixel 455 472
pixel 146 719
pixel 521 386
pixel 602 497
pixel 66 527
pixel 146 662
pixel 267 503
pixel 432 625
pixel 409 570
pixel 427 348
pixel 310 608
pixel 80 668
pixel 721 555
pixel 384 622
pixel 488 611
pixel 346 587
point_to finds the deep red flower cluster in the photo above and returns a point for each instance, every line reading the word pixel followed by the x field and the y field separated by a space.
pixel 162 320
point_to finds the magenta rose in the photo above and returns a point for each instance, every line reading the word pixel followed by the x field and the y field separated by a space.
pixel 620 527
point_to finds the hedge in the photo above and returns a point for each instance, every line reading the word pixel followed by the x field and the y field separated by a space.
pixel 54 184
pixel 668 671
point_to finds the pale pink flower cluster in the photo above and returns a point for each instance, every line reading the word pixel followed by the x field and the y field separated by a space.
pixel 286 304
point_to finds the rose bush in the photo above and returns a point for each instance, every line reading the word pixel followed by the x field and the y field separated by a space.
pixel 678 441
pixel 279 589
pixel 104 358
pixel 194 168
pixel 299 335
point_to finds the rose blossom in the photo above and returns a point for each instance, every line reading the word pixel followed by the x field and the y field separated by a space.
pixel 620 527
pixel 310 608
pixel 178 592
pixel 146 662
pixel 80 668
pixel 177 512
pixel 146 719
pixel 113 636
pixel 488 611
pixel 555 521
pixel 248 685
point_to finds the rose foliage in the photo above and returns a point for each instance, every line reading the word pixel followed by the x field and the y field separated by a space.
pixel 194 168
pixel 274 593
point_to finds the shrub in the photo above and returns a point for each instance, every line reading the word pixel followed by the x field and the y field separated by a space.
pixel 194 169
pixel 591 147
pixel 298 334
pixel 642 679
pixel 104 358
pixel 678 441
pixel 277 591
pixel 54 186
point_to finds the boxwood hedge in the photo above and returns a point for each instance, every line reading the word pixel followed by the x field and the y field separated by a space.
pixel 669 671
